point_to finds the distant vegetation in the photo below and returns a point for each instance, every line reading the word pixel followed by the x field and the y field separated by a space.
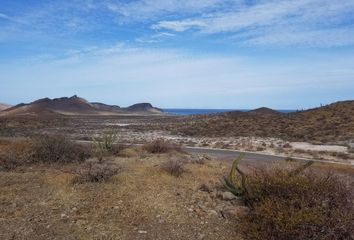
pixel 330 123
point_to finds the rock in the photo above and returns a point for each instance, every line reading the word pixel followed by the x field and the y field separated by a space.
pixel 234 212
pixel 201 236
pixel 213 213
pixel 205 188
pixel 142 232
pixel 228 196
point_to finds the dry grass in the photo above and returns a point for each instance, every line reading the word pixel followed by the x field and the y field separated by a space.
pixel 15 153
pixel 97 171
pixel 42 203
pixel 173 167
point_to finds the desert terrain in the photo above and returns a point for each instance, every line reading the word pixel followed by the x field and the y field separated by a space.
pixel 70 169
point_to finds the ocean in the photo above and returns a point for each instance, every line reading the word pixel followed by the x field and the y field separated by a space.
pixel 188 111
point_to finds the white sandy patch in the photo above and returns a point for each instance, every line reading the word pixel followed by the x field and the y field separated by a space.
pixel 118 124
pixel 312 147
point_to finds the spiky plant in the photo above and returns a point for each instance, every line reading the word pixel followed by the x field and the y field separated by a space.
pixel 236 182
pixel 104 146
pixel 233 183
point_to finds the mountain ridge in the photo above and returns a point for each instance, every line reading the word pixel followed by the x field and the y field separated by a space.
pixel 75 106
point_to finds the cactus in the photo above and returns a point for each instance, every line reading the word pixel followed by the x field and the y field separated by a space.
pixel 105 146
pixel 232 183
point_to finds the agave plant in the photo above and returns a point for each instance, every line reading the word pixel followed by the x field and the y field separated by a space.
pixel 233 183
pixel 236 182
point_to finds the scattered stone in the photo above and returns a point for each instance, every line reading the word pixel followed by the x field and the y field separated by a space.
pixel 201 236
pixel 228 196
pixel 213 213
pixel 234 212
pixel 205 188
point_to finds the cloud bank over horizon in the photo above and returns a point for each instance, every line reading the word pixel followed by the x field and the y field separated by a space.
pixel 198 54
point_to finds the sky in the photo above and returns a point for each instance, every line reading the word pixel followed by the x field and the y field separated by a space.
pixel 283 54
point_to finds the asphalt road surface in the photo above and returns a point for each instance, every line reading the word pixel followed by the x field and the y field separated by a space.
pixel 250 157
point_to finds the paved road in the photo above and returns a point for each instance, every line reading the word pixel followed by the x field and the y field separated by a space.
pixel 249 156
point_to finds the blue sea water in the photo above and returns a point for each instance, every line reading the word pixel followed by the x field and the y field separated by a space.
pixel 187 111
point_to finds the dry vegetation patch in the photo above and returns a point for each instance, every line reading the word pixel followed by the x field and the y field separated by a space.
pixel 161 146
pixel 141 202
pixel 41 149
pixel 308 205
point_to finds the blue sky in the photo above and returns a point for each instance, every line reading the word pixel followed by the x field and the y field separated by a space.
pixel 179 53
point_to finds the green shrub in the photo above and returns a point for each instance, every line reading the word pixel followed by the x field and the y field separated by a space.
pixel 161 146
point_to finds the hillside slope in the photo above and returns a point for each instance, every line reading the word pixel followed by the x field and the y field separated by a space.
pixel 4 106
pixel 334 122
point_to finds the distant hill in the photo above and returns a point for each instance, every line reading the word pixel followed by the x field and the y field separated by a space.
pixel 143 107
pixel 4 106
pixel 264 111
pixel 105 107
pixel 73 106
pixel 334 122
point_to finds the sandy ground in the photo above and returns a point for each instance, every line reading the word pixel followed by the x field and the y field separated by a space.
pixel 142 202
pixel 312 147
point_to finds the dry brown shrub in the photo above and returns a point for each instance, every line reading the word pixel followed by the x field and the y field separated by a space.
pixel 308 205
pixel 15 154
pixel 161 146
pixel 96 171
pixel 173 167
pixel 42 149
pixel 58 149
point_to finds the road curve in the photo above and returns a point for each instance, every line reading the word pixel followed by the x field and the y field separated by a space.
pixel 252 157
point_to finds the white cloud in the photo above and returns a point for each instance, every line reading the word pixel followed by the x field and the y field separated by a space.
pixel 277 22
pixel 147 9
pixel 171 77
pixel 179 26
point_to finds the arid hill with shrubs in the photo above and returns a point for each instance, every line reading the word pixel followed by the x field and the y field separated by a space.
pixel 331 123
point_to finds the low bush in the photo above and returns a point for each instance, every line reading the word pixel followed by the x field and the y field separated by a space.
pixel 42 149
pixel 161 146
pixel 15 154
pixel 305 205
pixel 199 159
pixel 107 146
pixel 173 167
pixel 96 171
pixel 58 149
